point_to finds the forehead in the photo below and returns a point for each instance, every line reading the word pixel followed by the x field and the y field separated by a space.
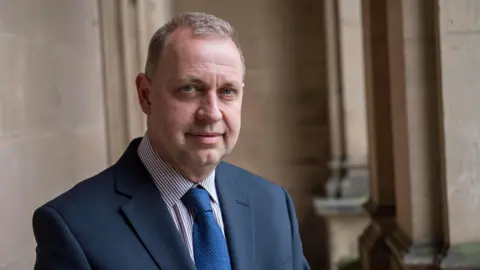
pixel 186 52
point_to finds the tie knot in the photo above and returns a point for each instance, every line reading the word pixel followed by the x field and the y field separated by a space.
pixel 197 199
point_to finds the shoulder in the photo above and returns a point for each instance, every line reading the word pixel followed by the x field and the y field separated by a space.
pixel 247 177
pixel 254 184
pixel 86 194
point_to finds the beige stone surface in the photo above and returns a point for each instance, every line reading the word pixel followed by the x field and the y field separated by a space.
pixel 126 30
pixel 378 102
pixel 353 81
pixel 51 112
pixel 415 118
pixel 343 232
pixel 345 221
pixel 460 59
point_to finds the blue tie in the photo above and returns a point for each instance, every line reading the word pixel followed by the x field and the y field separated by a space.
pixel 209 246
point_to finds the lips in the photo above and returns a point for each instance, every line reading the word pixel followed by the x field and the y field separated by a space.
pixel 206 138
pixel 206 134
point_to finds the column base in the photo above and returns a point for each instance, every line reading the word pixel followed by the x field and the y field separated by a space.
pixel 345 219
pixel 405 255
pixel 374 253
pixel 462 257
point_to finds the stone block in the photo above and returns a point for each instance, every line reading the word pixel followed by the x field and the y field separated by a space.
pixel 460 16
pixel 52 132
pixel 346 220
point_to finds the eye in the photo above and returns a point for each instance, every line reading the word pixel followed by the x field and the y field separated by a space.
pixel 188 88
pixel 227 91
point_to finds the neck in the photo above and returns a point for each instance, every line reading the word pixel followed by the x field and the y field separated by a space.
pixel 194 174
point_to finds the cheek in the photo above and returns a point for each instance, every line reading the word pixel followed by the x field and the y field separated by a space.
pixel 233 119
pixel 171 115
pixel 179 117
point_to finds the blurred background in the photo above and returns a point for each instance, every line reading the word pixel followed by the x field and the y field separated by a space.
pixel 367 111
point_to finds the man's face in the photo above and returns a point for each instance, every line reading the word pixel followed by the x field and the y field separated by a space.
pixel 195 99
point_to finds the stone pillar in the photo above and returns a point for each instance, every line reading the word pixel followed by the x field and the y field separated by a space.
pixel 416 241
pixel 355 181
pixel 335 99
pixel 428 53
pixel 347 187
pixel 378 80
pixel 459 36
pixel 347 112
pixel 127 27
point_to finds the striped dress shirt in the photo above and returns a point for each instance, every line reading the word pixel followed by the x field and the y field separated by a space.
pixel 172 186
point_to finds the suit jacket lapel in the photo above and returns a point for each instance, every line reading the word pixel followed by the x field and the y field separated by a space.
pixel 148 214
pixel 237 216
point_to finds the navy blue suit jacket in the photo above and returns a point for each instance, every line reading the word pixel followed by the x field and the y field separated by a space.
pixel 118 220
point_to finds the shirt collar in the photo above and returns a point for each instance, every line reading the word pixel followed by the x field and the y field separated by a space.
pixel 172 184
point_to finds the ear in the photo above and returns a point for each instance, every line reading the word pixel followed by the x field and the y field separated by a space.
pixel 143 84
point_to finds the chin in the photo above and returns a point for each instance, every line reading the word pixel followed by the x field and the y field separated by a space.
pixel 209 157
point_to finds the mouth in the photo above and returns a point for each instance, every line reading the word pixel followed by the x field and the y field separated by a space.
pixel 206 134
pixel 206 138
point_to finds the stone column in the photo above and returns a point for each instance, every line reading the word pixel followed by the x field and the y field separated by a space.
pixel 459 36
pixel 379 76
pixel 335 99
pixel 127 27
pixel 348 184
pixel 354 185
pixel 416 241
pixel 347 119
pixel 428 52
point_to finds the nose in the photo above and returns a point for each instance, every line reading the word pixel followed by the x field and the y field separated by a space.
pixel 209 110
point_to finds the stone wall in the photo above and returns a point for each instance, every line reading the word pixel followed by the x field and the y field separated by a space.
pixel 51 112
pixel 460 58
pixel 423 61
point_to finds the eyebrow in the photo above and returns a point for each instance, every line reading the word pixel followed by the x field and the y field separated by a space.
pixel 197 80
pixel 191 79
pixel 232 84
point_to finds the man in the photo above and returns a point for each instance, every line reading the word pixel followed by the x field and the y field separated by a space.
pixel 170 202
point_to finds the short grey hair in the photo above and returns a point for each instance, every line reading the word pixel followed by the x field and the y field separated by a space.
pixel 201 24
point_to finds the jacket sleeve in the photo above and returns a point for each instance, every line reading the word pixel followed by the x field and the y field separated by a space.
pixel 299 260
pixel 57 248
